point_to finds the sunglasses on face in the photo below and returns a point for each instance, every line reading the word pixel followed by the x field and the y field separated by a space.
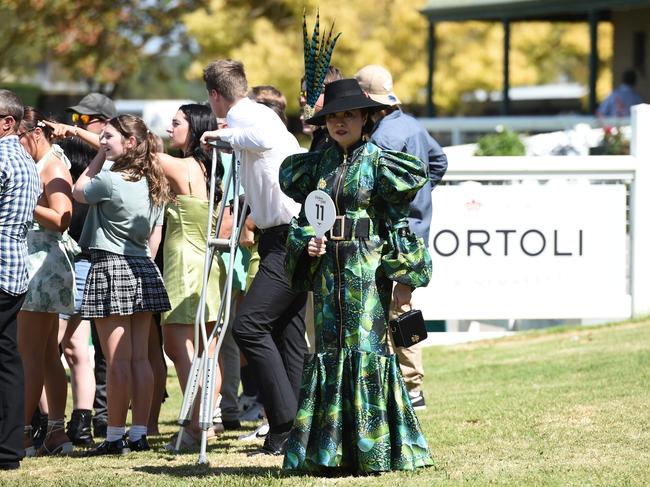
pixel 83 118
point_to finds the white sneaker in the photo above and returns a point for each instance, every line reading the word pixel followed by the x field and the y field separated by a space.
pixel 417 401
pixel 249 408
pixel 260 432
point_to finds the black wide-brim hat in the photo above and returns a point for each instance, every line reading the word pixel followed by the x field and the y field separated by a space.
pixel 342 95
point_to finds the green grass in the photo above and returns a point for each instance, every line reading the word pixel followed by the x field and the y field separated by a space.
pixel 567 406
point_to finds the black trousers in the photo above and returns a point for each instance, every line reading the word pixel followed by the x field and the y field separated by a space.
pixel 12 386
pixel 99 404
pixel 270 330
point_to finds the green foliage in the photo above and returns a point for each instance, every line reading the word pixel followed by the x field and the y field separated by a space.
pixel 28 94
pixel 105 43
pixel 503 143
pixel 100 42
pixel 159 79
pixel 614 143
pixel 266 36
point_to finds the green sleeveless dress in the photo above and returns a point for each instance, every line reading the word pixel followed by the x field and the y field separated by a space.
pixel 183 254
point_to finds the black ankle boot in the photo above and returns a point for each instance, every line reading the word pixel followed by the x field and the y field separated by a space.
pixel 78 429
pixel 39 429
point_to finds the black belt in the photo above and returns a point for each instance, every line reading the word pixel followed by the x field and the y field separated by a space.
pixel 350 229
pixel 82 256
pixel 275 229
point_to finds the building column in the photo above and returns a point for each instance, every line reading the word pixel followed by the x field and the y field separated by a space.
pixel 431 108
pixel 505 99
pixel 593 60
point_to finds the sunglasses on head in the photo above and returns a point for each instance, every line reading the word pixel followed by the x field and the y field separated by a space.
pixel 83 118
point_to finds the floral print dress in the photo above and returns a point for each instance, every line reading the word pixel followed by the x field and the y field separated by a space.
pixel 354 412
pixel 50 263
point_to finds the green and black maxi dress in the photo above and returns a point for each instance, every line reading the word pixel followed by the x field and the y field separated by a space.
pixel 354 412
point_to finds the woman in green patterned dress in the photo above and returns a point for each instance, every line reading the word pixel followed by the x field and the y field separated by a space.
pixel 354 412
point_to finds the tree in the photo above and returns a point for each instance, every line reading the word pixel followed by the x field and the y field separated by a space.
pixel 266 36
pixel 100 42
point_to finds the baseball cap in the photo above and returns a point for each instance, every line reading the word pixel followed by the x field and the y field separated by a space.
pixel 95 104
pixel 378 83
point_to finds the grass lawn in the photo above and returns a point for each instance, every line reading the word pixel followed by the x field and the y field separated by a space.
pixel 567 406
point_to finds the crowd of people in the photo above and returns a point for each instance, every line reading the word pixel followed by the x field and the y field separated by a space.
pixel 86 207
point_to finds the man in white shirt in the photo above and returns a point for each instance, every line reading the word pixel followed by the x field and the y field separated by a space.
pixel 270 325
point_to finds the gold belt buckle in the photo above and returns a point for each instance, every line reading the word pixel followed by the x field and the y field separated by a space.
pixel 341 235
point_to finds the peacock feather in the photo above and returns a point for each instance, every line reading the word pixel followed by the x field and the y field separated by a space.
pixel 318 54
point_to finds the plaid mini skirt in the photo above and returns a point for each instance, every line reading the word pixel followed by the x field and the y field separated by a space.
pixel 122 285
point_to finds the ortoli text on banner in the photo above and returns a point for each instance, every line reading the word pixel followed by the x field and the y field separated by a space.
pixel 553 250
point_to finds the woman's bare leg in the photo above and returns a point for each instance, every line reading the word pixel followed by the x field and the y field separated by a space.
pixel 159 369
pixel 75 341
pixel 115 338
pixel 141 373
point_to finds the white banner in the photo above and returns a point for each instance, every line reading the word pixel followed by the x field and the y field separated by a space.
pixel 527 251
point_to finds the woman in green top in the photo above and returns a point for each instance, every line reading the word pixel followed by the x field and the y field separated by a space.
pixel 185 242
pixel 126 195
pixel 354 411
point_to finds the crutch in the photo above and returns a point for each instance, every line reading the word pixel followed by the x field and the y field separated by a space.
pixel 203 368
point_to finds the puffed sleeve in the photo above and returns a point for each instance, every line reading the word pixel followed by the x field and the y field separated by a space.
pixel 299 267
pixel 298 175
pixel 297 180
pixel 406 259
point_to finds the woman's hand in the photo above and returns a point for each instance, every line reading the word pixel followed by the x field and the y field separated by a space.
pixel 401 295
pixel 60 130
pixel 316 246
pixel 93 168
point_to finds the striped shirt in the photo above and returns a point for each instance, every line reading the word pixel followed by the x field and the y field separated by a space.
pixel 20 188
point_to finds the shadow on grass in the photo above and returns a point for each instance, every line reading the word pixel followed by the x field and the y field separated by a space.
pixel 201 471
pixel 208 471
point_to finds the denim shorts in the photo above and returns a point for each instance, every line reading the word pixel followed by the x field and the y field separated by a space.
pixel 81 268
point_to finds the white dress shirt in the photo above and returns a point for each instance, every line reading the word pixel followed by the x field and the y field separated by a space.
pixel 261 142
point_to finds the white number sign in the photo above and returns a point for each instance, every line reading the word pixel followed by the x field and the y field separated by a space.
pixel 320 212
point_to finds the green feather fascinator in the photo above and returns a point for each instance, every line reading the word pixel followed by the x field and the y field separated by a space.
pixel 318 54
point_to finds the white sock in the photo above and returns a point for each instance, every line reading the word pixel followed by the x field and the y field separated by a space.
pixel 137 431
pixel 115 432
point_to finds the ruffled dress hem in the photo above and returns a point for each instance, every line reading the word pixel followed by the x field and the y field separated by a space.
pixel 355 414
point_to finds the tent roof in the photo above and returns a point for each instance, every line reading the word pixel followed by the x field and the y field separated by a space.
pixel 524 9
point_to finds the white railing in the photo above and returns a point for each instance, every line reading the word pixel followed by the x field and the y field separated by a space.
pixel 459 126
pixel 632 171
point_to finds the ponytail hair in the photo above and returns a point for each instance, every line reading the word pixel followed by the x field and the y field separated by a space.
pixel 141 161
pixel 33 119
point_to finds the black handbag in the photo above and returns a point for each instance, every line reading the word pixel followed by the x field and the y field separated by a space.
pixel 408 328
